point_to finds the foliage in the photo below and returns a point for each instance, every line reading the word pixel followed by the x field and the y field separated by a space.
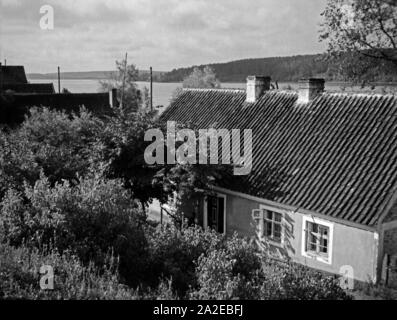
pixel 292 281
pixel 91 218
pixel 173 253
pixel 205 78
pixel 279 68
pixel 231 272
pixel 119 153
pixel 371 291
pixel 19 277
pixel 17 163
pixel 362 36
pixel 124 80
pixel 49 141
pixel 239 271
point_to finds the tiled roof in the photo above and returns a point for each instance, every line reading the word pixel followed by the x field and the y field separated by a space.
pixel 336 155
pixel 30 88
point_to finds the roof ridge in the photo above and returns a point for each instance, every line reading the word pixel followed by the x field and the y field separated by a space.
pixel 361 94
pixel 295 92
pixel 214 89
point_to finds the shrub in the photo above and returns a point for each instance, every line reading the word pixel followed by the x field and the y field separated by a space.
pixel 232 272
pixel 50 141
pixel 19 277
pixel 164 291
pixel 61 144
pixel 291 281
pixel 174 252
pixel 239 271
pixel 90 218
pixel 17 163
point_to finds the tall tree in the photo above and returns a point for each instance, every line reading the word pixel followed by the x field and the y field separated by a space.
pixel 124 79
pixel 205 78
pixel 362 36
pixel 120 153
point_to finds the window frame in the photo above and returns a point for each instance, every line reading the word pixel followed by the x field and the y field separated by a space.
pixel 316 255
pixel 263 209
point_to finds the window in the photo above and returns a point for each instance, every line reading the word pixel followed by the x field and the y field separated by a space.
pixel 317 239
pixel 270 224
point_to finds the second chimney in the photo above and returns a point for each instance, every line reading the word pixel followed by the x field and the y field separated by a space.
pixel 309 89
pixel 256 86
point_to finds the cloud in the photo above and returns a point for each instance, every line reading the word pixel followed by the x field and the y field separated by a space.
pixel 91 34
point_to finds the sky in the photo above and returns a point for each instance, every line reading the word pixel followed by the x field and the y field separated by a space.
pixel 90 35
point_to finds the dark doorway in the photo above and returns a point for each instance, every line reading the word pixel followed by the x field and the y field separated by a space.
pixel 215 213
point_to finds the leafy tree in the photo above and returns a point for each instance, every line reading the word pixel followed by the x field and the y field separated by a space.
pixel 50 141
pixel 119 153
pixel 124 80
pixel 361 36
pixel 205 78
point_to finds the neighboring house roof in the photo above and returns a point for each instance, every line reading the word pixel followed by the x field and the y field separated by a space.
pixel 30 88
pixel 13 75
pixel 13 78
pixel 336 155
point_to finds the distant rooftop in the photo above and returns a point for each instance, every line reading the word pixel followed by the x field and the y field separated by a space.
pixel 22 88
pixel 13 79
pixel 13 75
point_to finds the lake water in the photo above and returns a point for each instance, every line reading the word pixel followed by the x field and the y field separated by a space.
pixel 162 92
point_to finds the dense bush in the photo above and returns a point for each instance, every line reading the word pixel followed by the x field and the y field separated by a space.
pixel 204 265
pixel 231 272
pixel 17 163
pixel 19 277
pixel 174 252
pixel 239 271
pixel 91 218
pixel 48 140
pixel 287 280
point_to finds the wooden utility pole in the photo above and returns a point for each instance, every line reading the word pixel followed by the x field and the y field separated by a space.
pixel 151 89
pixel 59 79
pixel 125 71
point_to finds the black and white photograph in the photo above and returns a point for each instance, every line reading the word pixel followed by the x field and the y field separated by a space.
pixel 198 155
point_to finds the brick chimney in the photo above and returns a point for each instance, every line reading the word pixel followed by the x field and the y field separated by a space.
pixel 310 89
pixel 256 86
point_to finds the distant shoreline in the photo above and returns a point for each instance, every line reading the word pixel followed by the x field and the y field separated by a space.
pixel 336 83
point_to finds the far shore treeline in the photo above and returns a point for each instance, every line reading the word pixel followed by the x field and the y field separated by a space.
pixel 284 69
